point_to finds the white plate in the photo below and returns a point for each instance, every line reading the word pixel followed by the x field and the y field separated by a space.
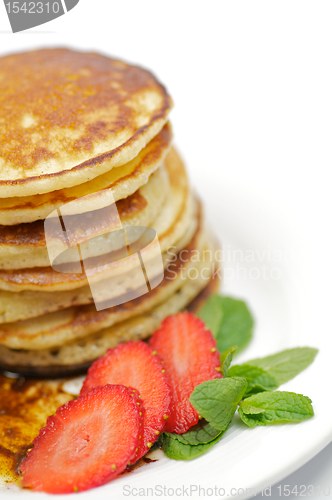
pixel 253 102
pixel 277 288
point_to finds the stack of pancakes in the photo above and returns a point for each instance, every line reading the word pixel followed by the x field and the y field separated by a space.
pixel 85 150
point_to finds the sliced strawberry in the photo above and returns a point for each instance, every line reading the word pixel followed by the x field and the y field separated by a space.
pixel 88 442
pixel 190 357
pixel 133 364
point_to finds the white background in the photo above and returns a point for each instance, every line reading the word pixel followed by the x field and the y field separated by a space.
pixel 252 85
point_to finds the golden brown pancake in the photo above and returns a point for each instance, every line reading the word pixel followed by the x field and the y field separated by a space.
pixel 76 356
pixel 33 304
pixel 120 182
pixel 177 216
pixel 24 245
pixel 106 266
pixel 68 116
pixel 56 328
pixel 25 407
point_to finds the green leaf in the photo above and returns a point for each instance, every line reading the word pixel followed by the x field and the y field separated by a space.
pixel 258 379
pixel 236 325
pixel 226 359
pixel 230 321
pixel 267 408
pixel 216 400
pixel 250 420
pixel 285 365
pixel 211 313
pixel 201 433
pixel 174 448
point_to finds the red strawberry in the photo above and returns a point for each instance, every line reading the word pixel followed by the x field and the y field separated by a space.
pixel 88 442
pixel 133 364
pixel 190 357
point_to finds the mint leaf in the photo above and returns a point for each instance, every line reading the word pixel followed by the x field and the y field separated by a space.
pixel 226 359
pixel 268 408
pixel 230 320
pixel 196 441
pixel 174 448
pixel 250 420
pixel 201 433
pixel 217 400
pixel 258 379
pixel 285 365
pixel 236 325
pixel 211 313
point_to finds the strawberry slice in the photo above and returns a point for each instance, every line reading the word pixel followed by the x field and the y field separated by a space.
pixel 88 442
pixel 189 354
pixel 133 364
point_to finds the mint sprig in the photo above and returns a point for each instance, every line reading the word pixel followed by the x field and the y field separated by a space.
pixel 229 320
pixel 246 387
pixel 268 408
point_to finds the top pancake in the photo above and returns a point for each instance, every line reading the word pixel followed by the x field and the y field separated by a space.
pixel 114 185
pixel 67 117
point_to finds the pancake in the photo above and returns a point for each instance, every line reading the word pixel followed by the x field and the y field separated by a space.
pixel 76 356
pixel 67 117
pixel 25 407
pixel 120 182
pixel 24 245
pixel 53 329
pixel 50 281
pixel 178 216
pixel 31 304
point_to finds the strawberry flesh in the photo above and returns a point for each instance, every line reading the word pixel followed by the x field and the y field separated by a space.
pixel 134 364
pixel 87 443
pixel 190 357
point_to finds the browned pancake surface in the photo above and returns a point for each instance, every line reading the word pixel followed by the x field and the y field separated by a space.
pixel 90 224
pixel 65 110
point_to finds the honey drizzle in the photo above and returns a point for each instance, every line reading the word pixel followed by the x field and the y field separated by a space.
pixel 24 408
